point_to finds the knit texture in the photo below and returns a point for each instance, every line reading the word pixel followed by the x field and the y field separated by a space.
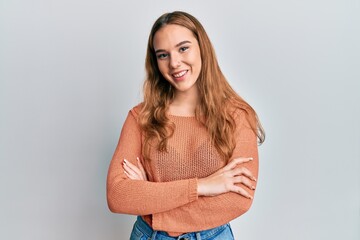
pixel 169 200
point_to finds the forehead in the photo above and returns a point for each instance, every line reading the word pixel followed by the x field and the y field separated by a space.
pixel 170 35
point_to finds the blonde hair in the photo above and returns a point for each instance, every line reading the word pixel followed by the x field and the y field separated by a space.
pixel 214 90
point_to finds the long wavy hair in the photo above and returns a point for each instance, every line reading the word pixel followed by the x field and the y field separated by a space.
pixel 217 98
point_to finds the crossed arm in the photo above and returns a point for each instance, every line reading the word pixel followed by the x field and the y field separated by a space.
pixel 226 179
pixel 221 196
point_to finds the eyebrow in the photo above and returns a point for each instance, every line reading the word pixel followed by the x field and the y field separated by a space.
pixel 177 45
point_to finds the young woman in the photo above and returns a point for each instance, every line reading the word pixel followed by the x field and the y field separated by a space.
pixel 187 160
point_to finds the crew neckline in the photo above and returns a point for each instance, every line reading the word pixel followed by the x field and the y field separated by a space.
pixel 182 116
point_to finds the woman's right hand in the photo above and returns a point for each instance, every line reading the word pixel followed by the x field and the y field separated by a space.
pixel 134 172
pixel 225 180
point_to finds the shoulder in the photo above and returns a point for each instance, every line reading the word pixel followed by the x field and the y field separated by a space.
pixel 240 113
pixel 135 111
pixel 234 108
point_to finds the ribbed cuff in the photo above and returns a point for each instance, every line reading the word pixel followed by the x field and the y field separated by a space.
pixel 193 194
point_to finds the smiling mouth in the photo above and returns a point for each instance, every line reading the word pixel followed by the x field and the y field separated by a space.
pixel 179 74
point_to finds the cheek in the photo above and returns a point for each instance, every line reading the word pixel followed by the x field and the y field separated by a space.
pixel 195 59
pixel 162 68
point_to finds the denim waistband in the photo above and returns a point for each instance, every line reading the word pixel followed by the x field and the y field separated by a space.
pixel 205 234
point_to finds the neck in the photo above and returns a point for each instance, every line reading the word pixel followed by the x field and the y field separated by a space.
pixel 185 103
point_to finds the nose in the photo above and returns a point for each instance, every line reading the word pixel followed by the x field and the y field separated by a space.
pixel 175 61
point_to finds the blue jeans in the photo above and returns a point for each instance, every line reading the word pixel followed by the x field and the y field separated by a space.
pixel 142 231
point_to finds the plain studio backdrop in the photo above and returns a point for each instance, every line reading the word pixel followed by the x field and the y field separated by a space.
pixel 70 70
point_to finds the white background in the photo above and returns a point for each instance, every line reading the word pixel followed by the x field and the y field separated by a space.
pixel 70 70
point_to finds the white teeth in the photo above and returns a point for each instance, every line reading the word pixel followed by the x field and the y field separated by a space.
pixel 180 74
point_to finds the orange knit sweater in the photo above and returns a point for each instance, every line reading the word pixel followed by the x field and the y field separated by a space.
pixel 169 200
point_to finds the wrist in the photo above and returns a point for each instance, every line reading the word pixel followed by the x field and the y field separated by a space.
pixel 200 186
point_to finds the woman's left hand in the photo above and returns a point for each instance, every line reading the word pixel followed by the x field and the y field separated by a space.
pixel 134 172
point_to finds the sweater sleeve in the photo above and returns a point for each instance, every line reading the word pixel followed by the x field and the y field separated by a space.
pixel 209 212
pixel 139 197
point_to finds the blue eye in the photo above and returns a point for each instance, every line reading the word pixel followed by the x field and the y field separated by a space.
pixel 183 49
pixel 162 56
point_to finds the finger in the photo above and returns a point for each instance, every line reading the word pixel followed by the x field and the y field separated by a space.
pixel 245 181
pixel 141 168
pixel 243 171
pixel 130 171
pixel 129 176
pixel 133 167
pixel 237 161
pixel 241 191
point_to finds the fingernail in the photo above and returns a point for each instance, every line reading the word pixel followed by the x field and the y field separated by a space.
pixel 125 161
pixel 138 159
pixel 251 197
pixel 251 159
pixel 254 179
pixel 253 187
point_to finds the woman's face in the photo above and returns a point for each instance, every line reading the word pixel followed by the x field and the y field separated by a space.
pixel 178 57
